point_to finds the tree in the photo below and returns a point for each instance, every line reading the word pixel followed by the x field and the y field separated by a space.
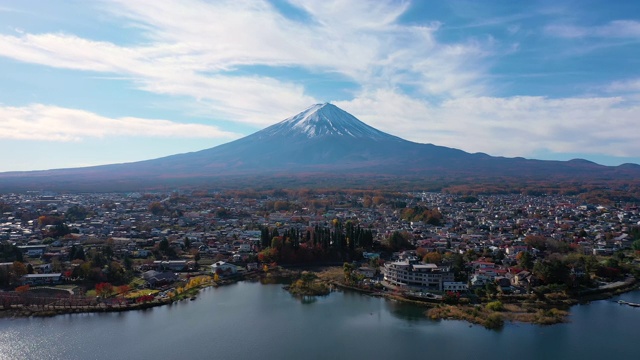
pixel 491 288
pixel 277 242
pixel 525 260
pixel 104 290
pixel 494 321
pixel 347 268
pixel 433 220
pixel 433 257
pixel 265 239
pixel 451 297
pixel 196 258
pixel 458 266
pixel 108 252
pixel 116 273
pixel 421 252
pixel 59 230
pixel 536 241
pixel 551 270
pixel 163 245
pixel 127 262
pixel 97 258
pixel 123 289
pixel 77 252
pixel 495 306
pixel 612 263
pixel 22 289
pixel 20 268
pixel 4 277
pixel 75 213
pixel 307 277
pixel 156 208
pixel 399 241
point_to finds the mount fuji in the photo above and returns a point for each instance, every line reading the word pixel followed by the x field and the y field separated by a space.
pixel 323 140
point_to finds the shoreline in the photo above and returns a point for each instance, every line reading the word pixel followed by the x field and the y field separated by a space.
pixel 523 309
pixel 21 311
pixel 519 310
pixel 26 311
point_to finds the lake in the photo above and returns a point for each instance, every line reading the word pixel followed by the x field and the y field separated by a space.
pixel 251 320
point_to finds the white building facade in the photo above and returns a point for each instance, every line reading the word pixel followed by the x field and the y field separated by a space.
pixel 417 276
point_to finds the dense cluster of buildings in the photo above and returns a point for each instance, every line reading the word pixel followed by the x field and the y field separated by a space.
pixel 226 228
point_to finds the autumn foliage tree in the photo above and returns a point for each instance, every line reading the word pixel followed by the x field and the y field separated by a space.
pixel 19 268
pixel 433 257
pixel 123 289
pixel 104 290
pixel 525 260
pixel 22 289
pixel 145 299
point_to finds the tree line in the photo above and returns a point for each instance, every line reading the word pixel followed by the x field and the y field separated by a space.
pixel 337 241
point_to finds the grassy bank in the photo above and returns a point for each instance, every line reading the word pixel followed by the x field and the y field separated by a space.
pixel 494 314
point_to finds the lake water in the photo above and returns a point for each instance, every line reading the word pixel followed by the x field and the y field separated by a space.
pixel 250 320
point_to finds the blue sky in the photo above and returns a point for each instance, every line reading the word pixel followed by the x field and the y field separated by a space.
pixel 97 82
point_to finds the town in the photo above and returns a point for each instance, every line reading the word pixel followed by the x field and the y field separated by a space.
pixel 116 248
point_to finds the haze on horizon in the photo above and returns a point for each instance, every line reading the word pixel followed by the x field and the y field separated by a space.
pixel 89 83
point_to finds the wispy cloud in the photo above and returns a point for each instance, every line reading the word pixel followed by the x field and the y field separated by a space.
pixel 52 123
pixel 408 80
pixel 512 126
pixel 619 29
pixel 7 9
pixel 626 86
pixel 194 47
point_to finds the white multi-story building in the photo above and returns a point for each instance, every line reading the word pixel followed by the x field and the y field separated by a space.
pixel 417 276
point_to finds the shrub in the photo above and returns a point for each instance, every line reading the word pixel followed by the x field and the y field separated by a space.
pixel 495 306
pixel 494 321
pixel 451 297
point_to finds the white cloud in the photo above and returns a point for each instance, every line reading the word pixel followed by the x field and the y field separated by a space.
pixel 52 123
pixel 632 85
pixel 391 111
pixel 621 29
pixel 613 29
pixel 159 69
pixel 196 49
pixel 410 83
pixel 513 126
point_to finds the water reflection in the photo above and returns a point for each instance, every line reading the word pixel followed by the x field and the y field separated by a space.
pixel 306 299
pixel 407 312
pixel 246 320
pixel 275 280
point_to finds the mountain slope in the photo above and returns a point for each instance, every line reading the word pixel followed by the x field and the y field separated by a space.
pixel 322 140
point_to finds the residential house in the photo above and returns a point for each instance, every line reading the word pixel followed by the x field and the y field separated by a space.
pixel 41 279
pixel 223 268
pixel 366 271
pixel 172 265
pixel 156 278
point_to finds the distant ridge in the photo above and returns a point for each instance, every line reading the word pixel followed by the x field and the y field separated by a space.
pixel 322 140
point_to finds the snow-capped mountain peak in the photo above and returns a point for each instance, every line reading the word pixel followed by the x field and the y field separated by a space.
pixel 324 120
